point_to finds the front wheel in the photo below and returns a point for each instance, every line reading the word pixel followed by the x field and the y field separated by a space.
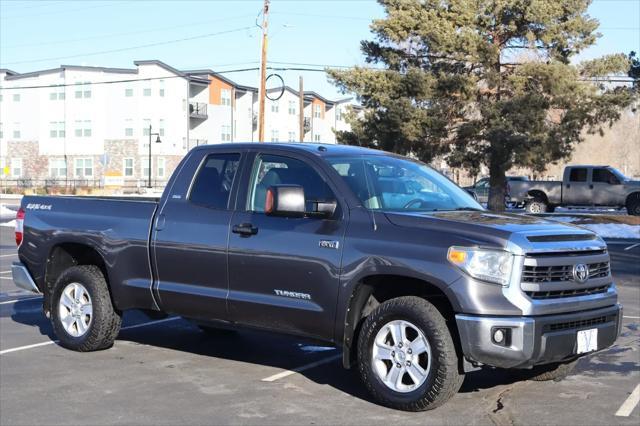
pixel 82 315
pixel 633 205
pixel 406 356
pixel 535 206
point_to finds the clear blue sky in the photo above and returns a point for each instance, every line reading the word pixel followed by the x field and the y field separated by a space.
pixel 45 34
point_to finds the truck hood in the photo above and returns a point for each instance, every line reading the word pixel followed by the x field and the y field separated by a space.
pixel 503 229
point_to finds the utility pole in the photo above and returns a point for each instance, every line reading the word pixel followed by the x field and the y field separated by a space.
pixel 263 71
pixel 301 108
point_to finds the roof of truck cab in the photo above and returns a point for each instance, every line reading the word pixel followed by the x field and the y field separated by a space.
pixel 320 149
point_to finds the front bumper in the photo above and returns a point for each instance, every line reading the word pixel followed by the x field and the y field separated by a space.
pixel 534 340
pixel 22 277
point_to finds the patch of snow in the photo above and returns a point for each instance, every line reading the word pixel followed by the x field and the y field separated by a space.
pixel 614 230
pixel 311 348
pixel 6 212
pixel 10 224
pixel 563 218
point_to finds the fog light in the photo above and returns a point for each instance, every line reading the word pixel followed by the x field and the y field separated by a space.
pixel 501 336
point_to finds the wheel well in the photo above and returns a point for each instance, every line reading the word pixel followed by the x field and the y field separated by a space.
pixel 539 196
pixel 374 290
pixel 66 255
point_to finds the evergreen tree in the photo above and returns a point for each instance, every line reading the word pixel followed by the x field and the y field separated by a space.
pixel 482 82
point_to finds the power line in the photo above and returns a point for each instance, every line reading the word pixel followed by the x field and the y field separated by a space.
pixel 49 43
pixel 123 49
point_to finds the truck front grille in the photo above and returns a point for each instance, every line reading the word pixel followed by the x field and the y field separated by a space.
pixel 538 295
pixel 576 324
pixel 559 273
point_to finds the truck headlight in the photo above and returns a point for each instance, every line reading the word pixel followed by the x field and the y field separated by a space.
pixel 484 264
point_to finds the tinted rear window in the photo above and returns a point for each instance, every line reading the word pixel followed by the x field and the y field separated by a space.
pixel 578 175
pixel 212 185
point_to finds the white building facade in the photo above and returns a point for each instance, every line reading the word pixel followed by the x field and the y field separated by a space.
pixel 91 126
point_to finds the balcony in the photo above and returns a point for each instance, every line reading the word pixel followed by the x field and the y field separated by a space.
pixel 198 110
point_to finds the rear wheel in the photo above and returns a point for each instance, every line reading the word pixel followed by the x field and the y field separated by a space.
pixel 83 316
pixel 535 206
pixel 633 204
pixel 406 356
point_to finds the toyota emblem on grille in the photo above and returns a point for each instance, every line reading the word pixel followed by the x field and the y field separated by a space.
pixel 580 272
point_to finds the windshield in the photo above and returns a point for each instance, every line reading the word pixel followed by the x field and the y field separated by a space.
pixel 618 174
pixel 392 183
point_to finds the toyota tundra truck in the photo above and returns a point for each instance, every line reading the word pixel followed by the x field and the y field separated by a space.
pixel 372 252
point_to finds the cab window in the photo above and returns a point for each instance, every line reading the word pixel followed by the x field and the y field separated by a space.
pixel 272 170
pixel 212 185
pixel 578 175
pixel 605 176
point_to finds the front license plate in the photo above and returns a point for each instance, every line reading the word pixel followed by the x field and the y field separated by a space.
pixel 587 340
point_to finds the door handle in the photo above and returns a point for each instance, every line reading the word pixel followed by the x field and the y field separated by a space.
pixel 244 229
pixel 568 185
pixel 160 222
pixel 591 186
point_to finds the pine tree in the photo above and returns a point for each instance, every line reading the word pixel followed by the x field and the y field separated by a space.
pixel 482 83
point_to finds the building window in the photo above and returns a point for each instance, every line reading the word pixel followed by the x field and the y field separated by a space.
pixel 317 111
pixel 57 167
pixel 292 136
pixel 146 124
pixel 275 106
pixel 57 94
pixel 83 128
pixel 338 113
pixel 160 163
pixel 56 129
pixel 275 136
pixel 146 91
pixel 16 167
pixel 292 107
pixel 161 125
pixel 83 90
pixel 225 134
pixel 316 138
pixel 128 127
pixel 127 167
pixel 225 97
pixel 16 131
pixel 144 167
pixel 161 91
pixel 83 167
pixel 16 97
pixel 1 132
pixel 128 92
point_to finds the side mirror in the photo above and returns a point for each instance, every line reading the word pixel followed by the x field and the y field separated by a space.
pixel 284 201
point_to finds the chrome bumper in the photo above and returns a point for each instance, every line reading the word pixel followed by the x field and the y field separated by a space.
pixel 534 340
pixel 22 278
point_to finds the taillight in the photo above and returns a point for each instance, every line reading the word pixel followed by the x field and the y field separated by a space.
pixel 19 226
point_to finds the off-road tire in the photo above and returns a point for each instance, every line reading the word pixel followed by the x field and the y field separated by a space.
pixel 106 320
pixel 555 371
pixel 535 206
pixel 444 379
pixel 633 204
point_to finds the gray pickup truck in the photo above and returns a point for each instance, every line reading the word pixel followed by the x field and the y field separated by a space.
pixel 598 186
pixel 372 252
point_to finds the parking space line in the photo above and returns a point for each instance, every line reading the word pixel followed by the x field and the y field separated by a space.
pixel 631 246
pixel 288 373
pixel 8 255
pixel 629 404
pixel 630 317
pixel 5 272
pixel 6 302
pixel 51 342
pixel 6 278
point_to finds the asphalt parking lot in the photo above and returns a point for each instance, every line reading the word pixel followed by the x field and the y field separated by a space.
pixel 169 372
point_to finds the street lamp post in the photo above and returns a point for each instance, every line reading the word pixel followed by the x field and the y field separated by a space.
pixel 157 141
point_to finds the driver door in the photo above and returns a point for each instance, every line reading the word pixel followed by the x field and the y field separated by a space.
pixel 284 273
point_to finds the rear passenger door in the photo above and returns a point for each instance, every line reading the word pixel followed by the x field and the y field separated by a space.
pixel 190 239
pixel 577 189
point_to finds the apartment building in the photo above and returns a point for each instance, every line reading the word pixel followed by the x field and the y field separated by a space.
pixel 79 125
